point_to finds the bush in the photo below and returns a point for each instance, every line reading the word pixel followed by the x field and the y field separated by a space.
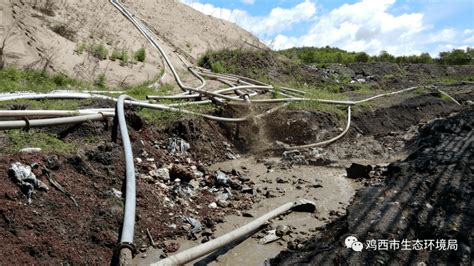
pixel 101 81
pixel 456 57
pixel 140 55
pixel 80 48
pixel 99 51
pixel 116 54
pixel 362 57
pixel 218 67
pixel 124 57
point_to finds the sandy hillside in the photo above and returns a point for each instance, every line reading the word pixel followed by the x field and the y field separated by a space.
pixel 50 34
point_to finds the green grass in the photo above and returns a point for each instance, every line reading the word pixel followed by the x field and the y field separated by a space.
pixel 327 93
pixel 13 80
pixel 158 117
pixel 140 55
pixel 47 142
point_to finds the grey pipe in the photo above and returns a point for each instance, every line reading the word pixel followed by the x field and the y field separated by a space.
pixel 128 226
pixel 50 121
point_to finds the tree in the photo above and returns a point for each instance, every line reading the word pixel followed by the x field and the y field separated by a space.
pixel 362 57
pixel 455 57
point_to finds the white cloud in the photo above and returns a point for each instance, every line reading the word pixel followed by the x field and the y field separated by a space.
pixel 248 2
pixel 366 25
pixel 278 20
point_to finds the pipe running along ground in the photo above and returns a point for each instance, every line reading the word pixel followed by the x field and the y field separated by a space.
pixel 128 225
pixel 196 252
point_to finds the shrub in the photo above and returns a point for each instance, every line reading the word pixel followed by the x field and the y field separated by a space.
pixel 99 51
pixel 140 55
pixel 80 48
pixel 101 81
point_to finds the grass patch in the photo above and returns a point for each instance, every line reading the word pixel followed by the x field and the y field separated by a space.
pixel 159 116
pixel 47 142
pixel 140 55
pixel 141 91
pixel 327 93
pixel 45 104
pixel 14 80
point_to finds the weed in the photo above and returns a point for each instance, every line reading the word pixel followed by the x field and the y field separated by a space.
pixel 99 51
pixel 101 81
pixel 34 138
pixel 13 80
pixel 140 55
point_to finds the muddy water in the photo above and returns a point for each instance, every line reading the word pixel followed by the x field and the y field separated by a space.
pixel 327 187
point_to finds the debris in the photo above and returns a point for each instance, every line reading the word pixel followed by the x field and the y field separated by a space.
pixel 58 186
pixel 172 247
pixel 221 179
pixel 25 178
pixel 151 238
pixel 53 162
pixel 195 224
pixel 282 230
pixel 162 173
pixel 246 189
pixel 212 205
pixel 117 193
pixel 358 171
pixel 178 146
pixel 138 160
pixel 30 150
pixel 270 237
pixel 179 171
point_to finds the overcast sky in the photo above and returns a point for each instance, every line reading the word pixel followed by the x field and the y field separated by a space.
pixel 400 27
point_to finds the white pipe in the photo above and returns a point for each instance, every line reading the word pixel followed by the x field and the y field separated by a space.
pixel 50 121
pixel 208 247
pixel 52 113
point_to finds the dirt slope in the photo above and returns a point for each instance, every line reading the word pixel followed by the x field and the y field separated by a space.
pixel 45 34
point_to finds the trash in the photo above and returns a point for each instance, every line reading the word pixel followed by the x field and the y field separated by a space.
pixel 25 178
pixel 223 196
pixel 178 146
pixel 270 237
pixel 30 150
pixel 221 179
pixel 117 193
pixel 246 189
pixel 196 225
pixel 358 171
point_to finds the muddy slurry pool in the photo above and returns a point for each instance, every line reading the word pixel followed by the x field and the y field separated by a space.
pixel 274 186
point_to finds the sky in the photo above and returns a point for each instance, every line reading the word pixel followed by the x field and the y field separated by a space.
pixel 400 27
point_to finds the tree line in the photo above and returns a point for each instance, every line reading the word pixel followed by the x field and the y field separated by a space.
pixel 311 55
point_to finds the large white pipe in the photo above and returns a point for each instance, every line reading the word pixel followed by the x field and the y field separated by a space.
pixel 208 247
pixel 50 121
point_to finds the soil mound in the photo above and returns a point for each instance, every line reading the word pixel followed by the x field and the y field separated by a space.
pixel 428 196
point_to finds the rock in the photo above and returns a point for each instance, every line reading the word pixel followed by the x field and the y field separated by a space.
pixel 270 237
pixel 179 171
pixel 246 189
pixel 138 160
pixel 358 171
pixel 222 179
pixel 212 205
pixel 281 180
pixel 53 162
pixel 162 173
pixel 194 183
pixel 244 179
pixel 282 230
pixel 172 247
pixel 223 203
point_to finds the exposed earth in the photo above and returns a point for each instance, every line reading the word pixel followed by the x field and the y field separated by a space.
pixel 53 230
pixel 402 171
